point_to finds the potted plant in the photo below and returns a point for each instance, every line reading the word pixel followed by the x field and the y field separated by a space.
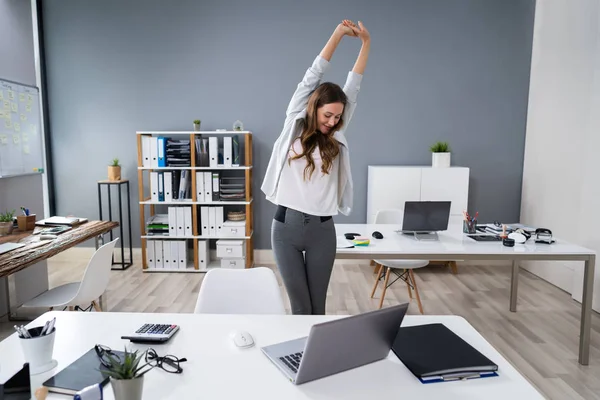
pixel 126 374
pixel 6 222
pixel 197 125
pixel 440 155
pixel 114 171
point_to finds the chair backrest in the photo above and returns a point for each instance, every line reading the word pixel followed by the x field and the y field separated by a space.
pixel 240 291
pixel 96 275
pixel 389 216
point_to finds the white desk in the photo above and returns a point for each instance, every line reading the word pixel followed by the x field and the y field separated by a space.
pixel 455 246
pixel 217 370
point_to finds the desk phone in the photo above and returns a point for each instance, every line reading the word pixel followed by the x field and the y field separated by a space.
pixel 153 333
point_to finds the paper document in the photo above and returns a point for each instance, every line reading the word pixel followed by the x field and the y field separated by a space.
pixel 343 243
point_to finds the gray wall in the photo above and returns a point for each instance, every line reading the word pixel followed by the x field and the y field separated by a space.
pixel 17 63
pixel 450 70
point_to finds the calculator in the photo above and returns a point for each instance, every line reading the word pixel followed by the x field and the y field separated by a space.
pixel 153 333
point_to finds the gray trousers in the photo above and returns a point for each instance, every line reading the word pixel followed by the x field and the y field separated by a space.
pixel 304 246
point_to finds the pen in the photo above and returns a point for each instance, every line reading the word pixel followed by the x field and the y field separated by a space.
pixel 23 211
pixel 45 328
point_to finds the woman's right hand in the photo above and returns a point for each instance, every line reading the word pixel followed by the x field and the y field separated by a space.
pixel 344 29
pixel 359 30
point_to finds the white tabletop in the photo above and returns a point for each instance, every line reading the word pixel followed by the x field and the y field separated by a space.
pixel 451 243
pixel 218 370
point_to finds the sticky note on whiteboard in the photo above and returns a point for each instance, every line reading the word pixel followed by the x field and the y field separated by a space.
pixel 16 138
pixel 11 95
pixel 14 107
pixel 23 117
pixel 28 108
pixel 17 127
pixel 7 105
pixel 21 96
pixel 25 137
pixel 8 124
pixel 3 140
pixel 25 149
pixel 29 98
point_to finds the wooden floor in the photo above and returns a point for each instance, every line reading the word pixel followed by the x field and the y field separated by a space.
pixel 540 340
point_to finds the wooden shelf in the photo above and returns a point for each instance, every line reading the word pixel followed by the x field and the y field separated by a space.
pixel 189 203
pixel 217 168
pixel 170 133
pixel 156 237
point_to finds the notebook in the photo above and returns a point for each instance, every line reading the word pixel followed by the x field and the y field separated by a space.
pixel 61 221
pixel 83 372
pixel 433 353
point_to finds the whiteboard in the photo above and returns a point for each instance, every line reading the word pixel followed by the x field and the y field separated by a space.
pixel 21 150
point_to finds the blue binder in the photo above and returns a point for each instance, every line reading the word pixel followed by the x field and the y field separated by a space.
pixel 161 186
pixel 162 151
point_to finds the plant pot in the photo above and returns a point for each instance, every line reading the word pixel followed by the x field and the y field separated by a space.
pixel 127 389
pixel 114 173
pixel 6 228
pixel 440 160
pixel 197 127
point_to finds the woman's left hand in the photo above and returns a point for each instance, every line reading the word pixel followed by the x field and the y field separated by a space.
pixel 359 30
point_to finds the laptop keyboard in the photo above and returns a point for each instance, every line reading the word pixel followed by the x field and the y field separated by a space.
pixel 292 361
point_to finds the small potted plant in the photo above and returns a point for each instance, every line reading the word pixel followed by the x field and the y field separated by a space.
pixel 114 171
pixel 197 125
pixel 440 155
pixel 126 374
pixel 6 222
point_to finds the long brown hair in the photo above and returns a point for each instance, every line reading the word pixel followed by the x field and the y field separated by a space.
pixel 311 137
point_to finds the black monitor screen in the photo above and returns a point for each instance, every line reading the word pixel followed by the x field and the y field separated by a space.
pixel 426 216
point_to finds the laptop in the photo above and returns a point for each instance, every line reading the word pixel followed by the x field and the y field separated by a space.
pixel 336 346
pixel 425 216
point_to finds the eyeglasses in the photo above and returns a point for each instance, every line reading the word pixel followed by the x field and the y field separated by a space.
pixel 103 353
pixel 168 363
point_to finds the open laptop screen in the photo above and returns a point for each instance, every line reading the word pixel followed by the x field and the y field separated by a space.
pixel 426 216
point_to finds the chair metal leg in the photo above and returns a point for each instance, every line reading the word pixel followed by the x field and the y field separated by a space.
pixel 71 308
pixel 379 268
pixel 414 282
pixel 385 285
pixel 409 291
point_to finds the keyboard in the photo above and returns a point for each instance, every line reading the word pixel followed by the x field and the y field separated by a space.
pixel 153 333
pixel 292 361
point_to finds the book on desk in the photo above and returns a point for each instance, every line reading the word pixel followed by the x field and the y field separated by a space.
pixel 433 353
pixel 59 221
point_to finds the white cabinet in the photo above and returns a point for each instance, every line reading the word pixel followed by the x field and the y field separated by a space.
pixel 392 186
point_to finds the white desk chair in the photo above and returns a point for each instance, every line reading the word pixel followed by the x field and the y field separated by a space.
pixel 240 291
pixel 92 286
pixel 387 266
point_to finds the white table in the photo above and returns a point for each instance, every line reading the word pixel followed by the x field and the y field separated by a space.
pixel 454 246
pixel 217 370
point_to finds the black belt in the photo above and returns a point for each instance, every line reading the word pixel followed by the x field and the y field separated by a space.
pixel 281 210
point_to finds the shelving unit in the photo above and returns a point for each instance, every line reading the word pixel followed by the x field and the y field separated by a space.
pixel 148 207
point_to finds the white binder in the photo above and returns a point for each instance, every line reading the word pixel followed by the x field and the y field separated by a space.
pixel 227 151
pixel 207 187
pixel 172 218
pixel 168 178
pixel 151 262
pixel 154 186
pixel 204 221
pixel 203 254
pixel 146 157
pixel 180 222
pixel 200 187
pixel 158 253
pixel 182 253
pixel 174 253
pixel 212 221
pixel 154 151
pixel 187 221
pixel 166 254
pixel 219 220
pixel 213 151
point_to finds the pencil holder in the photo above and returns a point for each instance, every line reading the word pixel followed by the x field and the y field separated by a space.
pixel 468 227
pixel 26 222
pixel 38 350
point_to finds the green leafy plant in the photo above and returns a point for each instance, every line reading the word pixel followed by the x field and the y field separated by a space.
pixel 7 216
pixel 440 147
pixel 197 121
pixel 115 162
pixel 127 368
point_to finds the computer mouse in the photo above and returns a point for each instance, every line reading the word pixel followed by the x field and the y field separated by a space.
pixel 242 339
pixel 377 235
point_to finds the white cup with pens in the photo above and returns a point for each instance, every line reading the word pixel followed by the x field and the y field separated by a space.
pixel 38 345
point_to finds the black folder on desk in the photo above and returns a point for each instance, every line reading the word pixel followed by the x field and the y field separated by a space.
pixel 433 353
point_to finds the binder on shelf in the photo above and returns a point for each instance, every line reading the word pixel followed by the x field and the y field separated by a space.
pixel 212 221
pixel 162 151
pixel 174 244
pixel 235 149
pixel 215 186
pixel 154 151
pixel 150 252
pixel 207 186
pixel 219 219
pixel 172 214
pixel 227 151
pixel 168 186
pixel 158 253
pixel 161 187
pixel 154 186
pixel 213 151
pixel 203 254
pixel 182 253
pixel 204 221
pixel 166 254
pixel 146 157
pixel 187 221
pixel 200 187
pixel 180 222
